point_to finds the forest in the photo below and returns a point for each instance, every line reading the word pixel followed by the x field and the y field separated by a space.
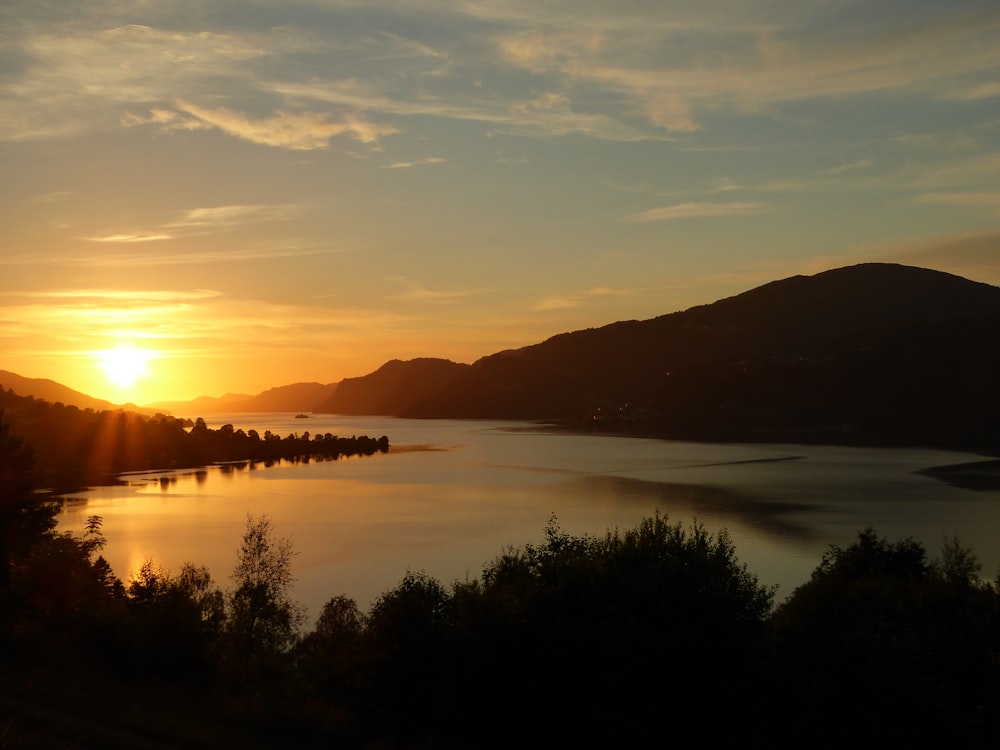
pixel 75 447
pixel 653 634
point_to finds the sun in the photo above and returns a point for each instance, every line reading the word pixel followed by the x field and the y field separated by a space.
pixel 124 364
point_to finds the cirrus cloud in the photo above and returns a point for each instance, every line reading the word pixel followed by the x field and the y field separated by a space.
pixel 699 211
pixel 302 131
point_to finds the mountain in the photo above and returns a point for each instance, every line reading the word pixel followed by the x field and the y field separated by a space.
pixel 49 390
pixel 294 397
pixel 874 353
pixel 205 404
pixel 393 388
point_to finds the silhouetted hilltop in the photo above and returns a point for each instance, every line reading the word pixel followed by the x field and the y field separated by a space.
pixel 49 390
pixel 294 397
pixel 874 353
pixel 393 388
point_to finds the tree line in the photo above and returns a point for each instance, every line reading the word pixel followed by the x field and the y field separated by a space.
pixel 653 634
pixel 75 447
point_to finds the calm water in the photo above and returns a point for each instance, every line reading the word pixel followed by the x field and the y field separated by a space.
pixel 451 495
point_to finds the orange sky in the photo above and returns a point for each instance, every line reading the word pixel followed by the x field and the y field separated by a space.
pixel 302 193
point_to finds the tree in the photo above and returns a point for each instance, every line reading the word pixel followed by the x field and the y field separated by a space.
pixel 176 621
pixel 263 619
pixel 408 645
pixel 24 517
pixel 329 656
pixel 603 614
pixel 907 647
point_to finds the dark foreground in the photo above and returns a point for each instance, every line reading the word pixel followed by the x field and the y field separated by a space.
pixel 651 635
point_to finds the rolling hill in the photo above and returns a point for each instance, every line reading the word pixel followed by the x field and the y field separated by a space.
pixel 294 397
pixel 50 390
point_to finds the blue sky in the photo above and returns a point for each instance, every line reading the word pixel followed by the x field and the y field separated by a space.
pixel 261 193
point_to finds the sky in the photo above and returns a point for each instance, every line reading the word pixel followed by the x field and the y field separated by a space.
pixel 213 196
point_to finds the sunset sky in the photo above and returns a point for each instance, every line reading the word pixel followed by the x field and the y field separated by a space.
pixel 234 195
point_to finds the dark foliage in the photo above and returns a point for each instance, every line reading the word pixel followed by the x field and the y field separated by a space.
pixel 557 642
pixel 901 648
pixel 262 622
pixel 176 625
pixel 24 516
pixel 75 447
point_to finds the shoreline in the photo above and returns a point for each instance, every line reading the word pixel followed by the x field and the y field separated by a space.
pixel 983 476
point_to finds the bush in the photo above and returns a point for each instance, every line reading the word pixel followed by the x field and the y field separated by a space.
pixel 891 643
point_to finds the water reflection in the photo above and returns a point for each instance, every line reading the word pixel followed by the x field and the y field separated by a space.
pixel 451 495
pixel 724 507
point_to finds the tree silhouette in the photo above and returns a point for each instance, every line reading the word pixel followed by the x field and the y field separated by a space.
pixel 907 647
pixel 24 516
pixel 263 620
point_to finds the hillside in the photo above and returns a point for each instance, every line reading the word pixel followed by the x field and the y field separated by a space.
pixel 49 390
pixel 874 353
pixel 294 397
pixel 393 388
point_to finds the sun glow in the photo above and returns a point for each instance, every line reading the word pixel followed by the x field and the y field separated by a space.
pixel 124 364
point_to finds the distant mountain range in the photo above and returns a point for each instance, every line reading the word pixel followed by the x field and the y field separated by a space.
pixel 873 353
pixel 294 397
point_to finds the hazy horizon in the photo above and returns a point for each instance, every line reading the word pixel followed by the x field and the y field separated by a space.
pixel 220 197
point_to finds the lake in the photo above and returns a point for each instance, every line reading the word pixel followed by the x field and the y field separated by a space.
pixel 451 495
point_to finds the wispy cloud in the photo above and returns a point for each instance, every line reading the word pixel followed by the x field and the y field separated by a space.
pixel 56 196
pixel 166 120
pixel 699 211
pixel 973 92
pixel 535 116
pixel 73 76
pixel 416 163
pixel 853 166
pixel 745 64
pixel 201 258
pixel 945 175
pixel 623 72
pixel 419 293
pixel 725 185
pixel 187 325
pixel 128 238
pixel 217 217
pixel 205 220
pixel 124 295
pixel 578 299
pixel 301 131
pixel 987 200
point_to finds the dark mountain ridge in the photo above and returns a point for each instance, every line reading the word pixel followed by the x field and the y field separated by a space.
pixel 873 353
pixel 393 388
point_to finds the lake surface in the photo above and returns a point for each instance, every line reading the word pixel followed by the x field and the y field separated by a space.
pixel 451 495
